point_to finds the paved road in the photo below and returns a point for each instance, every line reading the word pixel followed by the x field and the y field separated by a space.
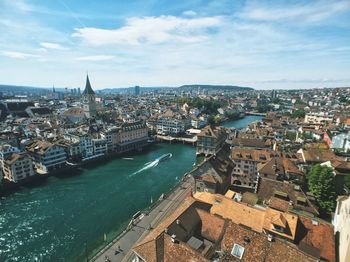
pixel 120 250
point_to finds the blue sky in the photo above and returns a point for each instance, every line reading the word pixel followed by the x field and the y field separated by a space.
pixel 263 44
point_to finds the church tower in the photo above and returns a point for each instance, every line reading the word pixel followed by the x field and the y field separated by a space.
pixel 89 103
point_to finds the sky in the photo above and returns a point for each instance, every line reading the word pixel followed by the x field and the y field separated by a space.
pixel 261 44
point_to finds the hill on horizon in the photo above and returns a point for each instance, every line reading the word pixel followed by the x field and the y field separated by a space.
pixel 19 89
pixel 211 87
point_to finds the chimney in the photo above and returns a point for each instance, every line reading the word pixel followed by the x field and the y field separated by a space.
pixel 173 238
pixel 269 237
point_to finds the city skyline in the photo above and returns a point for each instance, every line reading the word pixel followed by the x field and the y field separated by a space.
pixel 161 43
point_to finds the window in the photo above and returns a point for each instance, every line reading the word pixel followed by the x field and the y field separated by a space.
pixel 237 251
pixel 217 201
pixel 278 228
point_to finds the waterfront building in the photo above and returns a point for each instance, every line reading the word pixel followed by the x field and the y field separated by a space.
pixel 89 103
pixel 172 123
pixel 100 146
pixel 6 150
pixel 214 174
pixel 17 167
pixel 111 135
pixel 46 156
pixel 210 140
pixel 199 121
pixel 341 222
pixel 72 149
pixel 132 136
pixel 84 139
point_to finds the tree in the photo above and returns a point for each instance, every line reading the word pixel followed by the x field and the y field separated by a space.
pixel 347 181
pixel 264 108
pixel 300 113
pixel 322 185
pixel 232 115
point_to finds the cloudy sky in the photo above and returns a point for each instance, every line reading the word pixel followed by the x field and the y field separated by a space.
pixel 263 44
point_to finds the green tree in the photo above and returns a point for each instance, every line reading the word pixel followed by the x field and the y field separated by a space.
pixel 322 185
pixel 263 108
pixel 347 181
pixel 232 115
pixel 300 113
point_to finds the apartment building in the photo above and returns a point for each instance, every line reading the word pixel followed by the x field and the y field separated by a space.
pixel 47 156
pixel 212 227
pixel 210 140
pixel 85 142
pixel 341 222
pixel 318 118
pixel 100 146
pixel 132 136
pixel 245 172
pixel 17 167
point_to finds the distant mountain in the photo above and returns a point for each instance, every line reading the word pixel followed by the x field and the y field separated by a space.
pixel 23 89
pixel 214 87
pixel 124 90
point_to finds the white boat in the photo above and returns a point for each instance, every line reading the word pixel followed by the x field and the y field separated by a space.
pixel 128 158
pixel 164 157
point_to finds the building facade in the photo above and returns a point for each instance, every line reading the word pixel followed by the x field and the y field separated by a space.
pixel 46 156
pixel 341 224
pixel 17 167
pixel 210 140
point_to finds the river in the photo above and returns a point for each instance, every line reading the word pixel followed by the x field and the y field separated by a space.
pixel 65 217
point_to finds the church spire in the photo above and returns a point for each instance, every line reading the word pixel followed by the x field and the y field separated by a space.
pixel 88 90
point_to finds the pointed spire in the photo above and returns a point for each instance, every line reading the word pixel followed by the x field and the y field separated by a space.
pixel 88 90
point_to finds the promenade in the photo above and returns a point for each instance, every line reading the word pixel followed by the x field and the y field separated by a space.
pixel 120 248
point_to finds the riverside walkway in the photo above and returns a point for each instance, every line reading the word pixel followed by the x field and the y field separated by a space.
pixel 120 248
pixel 184 140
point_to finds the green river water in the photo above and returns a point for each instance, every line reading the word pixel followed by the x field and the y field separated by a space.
pixel 65 217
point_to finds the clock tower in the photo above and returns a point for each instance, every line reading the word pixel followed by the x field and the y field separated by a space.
pixel 89 103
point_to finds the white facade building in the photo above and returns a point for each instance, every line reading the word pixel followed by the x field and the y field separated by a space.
pixel 341 224
pixel 318 118
pixel 18 166
pixel 46 156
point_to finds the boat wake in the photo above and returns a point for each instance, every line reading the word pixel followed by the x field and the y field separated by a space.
pixel 152 164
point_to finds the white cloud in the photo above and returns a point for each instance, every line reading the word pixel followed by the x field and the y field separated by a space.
pixel 52 46
pixel 316 11
pixel 18 55
pixel 95 58
pixel 189 13
pixel 151 30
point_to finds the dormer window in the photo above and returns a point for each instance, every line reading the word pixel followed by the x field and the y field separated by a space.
pixel 217 201
pixel 237 251
pixel 278 228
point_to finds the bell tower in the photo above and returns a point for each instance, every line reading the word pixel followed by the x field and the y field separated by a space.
pixel 89 103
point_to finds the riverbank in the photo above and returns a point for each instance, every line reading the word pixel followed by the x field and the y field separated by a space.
pixel 54 220
pixel 65 217
pixel 120 248
pixel 8 187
